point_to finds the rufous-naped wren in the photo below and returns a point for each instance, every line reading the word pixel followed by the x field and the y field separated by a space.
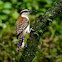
pixel 22 27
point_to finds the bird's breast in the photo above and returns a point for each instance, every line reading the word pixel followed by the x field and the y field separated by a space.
pixel 27 30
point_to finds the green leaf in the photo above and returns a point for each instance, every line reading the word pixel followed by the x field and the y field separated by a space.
pixel 3 17
pixel 7 5
pixel 6 11
pixel 1 4
pixel 15 15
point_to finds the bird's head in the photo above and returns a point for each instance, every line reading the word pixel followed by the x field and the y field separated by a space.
pixel 26 12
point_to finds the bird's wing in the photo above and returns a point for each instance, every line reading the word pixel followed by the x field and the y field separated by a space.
pixel 21 25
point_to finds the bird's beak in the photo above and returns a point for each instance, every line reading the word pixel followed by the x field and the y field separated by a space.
pixel 32 11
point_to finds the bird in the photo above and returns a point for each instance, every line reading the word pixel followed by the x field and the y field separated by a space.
pixel 22 27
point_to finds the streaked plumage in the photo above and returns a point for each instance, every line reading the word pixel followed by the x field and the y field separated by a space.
pixel 22 27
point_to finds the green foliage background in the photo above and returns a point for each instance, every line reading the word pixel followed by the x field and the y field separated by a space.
pixel 50 44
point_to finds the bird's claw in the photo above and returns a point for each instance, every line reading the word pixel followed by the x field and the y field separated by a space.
pixel 31 29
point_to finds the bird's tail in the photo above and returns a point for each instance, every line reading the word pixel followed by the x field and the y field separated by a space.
pixel 20 43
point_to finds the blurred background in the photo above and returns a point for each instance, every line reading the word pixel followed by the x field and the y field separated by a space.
pixel 50 44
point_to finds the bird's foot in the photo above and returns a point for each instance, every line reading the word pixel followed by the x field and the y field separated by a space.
pixel 31 29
